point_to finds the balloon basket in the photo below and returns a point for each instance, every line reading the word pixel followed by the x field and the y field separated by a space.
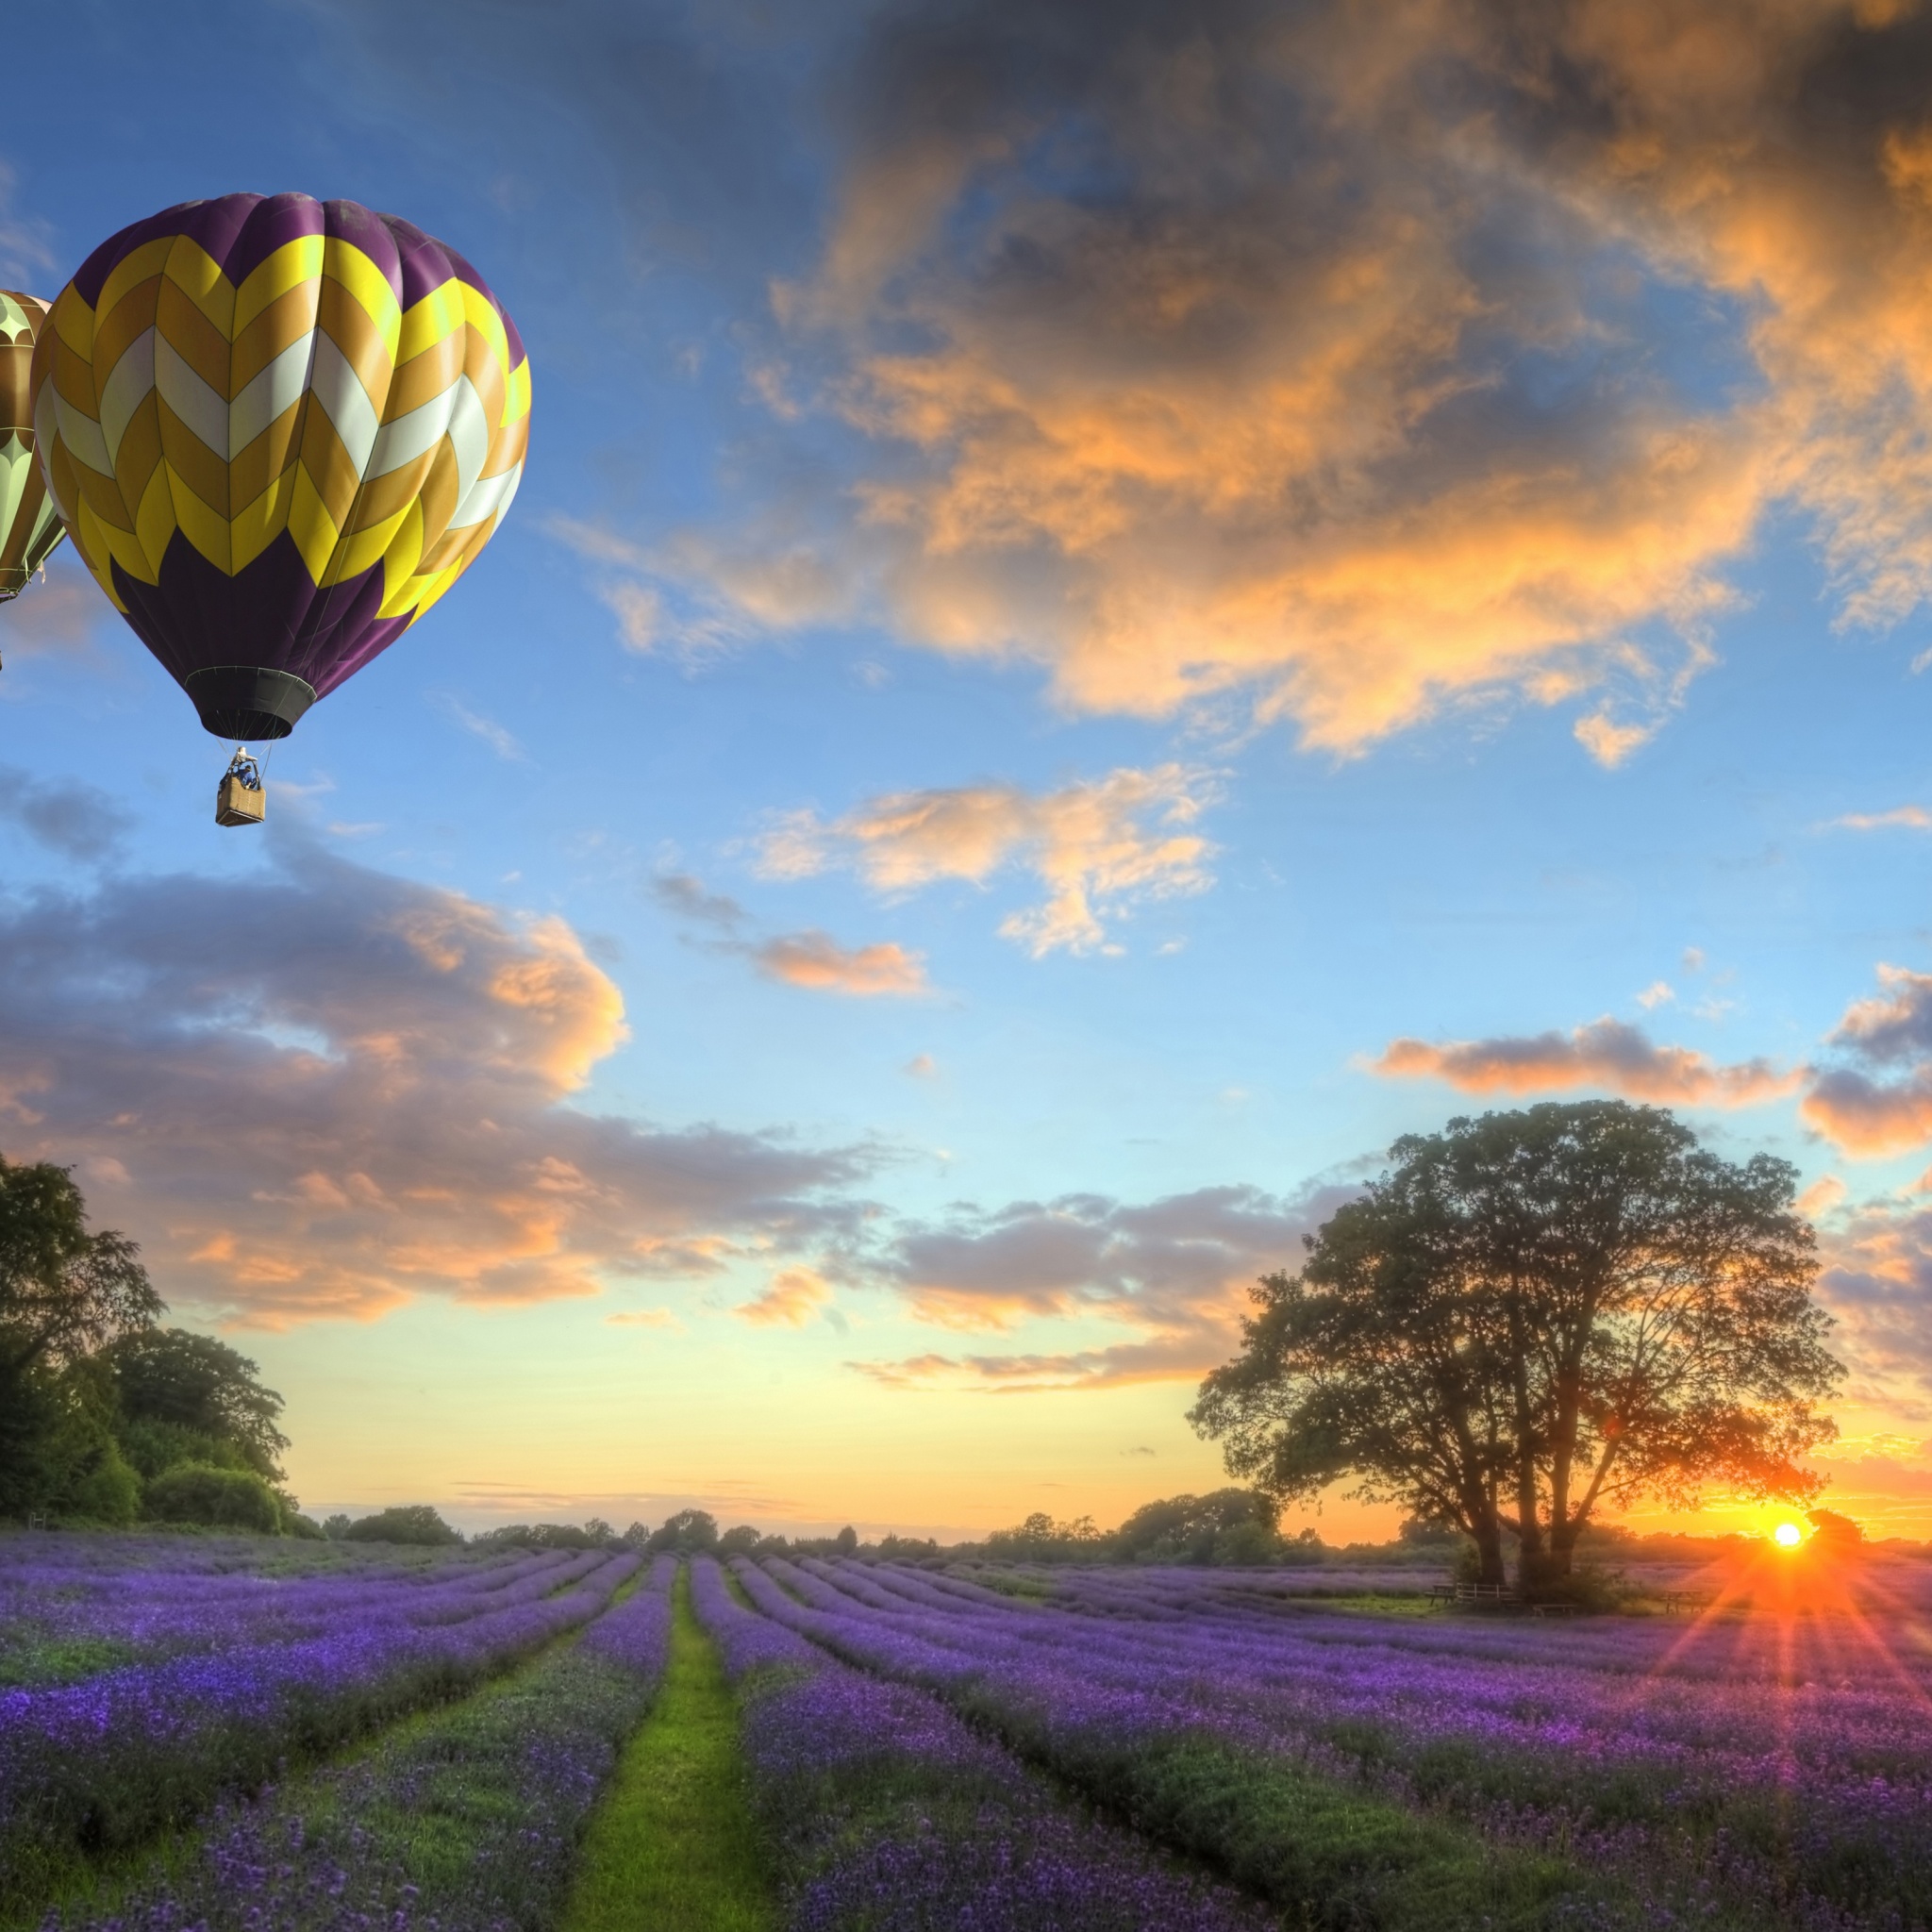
pixel 240 798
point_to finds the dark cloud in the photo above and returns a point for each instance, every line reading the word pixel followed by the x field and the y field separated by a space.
pixel 1877 1280
pixel 68 816
pixel 1172 1274
pixel 679 892
pixel 324 1090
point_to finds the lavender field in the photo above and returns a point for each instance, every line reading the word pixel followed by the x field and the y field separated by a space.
pixel 213 1733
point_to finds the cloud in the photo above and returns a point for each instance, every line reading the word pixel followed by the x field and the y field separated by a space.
pixel 56 615
pixel 501 742
pixel 1659 993
pixel 817 962
pixel 1877 1280
pixel 1349 363
pixel 791 1300
pixel 1607 1053
pixel 26 252
pixel 71 819
pixel 646 1318
pixel 1879 1100
pixel 1914 817
pixel 812 960
pixel 332 1090
pixel 1100 846
pixel 655 613
pixel 922 1066
pixel 1168 1277
pixel 686 896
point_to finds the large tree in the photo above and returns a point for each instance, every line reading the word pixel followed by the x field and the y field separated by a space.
pixel 1532 1315
pixel 64 1291
pixel 196 1386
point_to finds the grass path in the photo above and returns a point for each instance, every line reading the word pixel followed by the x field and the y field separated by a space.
pixel 672 1848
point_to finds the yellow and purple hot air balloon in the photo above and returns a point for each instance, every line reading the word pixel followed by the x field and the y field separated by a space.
pixel 278 430
pixel 29 524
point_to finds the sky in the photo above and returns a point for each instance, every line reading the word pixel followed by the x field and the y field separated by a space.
pixel 1111 607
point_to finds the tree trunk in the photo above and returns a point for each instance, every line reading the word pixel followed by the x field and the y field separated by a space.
pixel 1489 1552
pixel 1562 1551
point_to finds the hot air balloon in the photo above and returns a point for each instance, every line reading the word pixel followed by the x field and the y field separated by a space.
pixel 29 524
pixel 278 430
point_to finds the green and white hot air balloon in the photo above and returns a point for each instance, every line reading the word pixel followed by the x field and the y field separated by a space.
pixel 29 524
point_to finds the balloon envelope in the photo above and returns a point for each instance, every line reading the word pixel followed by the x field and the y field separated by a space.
pixel 29 524
pixel 278 430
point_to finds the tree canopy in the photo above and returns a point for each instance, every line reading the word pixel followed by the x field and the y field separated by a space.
pixel 195 1384
pixel 1532 1315
pixel 407 1522
pixel 687 1531
pixel 64 1291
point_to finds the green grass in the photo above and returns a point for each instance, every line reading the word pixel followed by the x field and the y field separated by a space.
pixel 672 1848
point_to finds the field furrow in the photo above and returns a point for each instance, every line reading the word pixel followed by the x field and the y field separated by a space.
pixel 883 1809
pixel 97 1767
pixel 468 1820
pixel 1343 1765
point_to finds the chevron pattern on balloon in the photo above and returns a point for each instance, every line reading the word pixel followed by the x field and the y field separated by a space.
pixel 29 524
pixel 322 408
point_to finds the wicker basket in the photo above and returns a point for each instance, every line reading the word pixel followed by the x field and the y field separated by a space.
pixel 236 804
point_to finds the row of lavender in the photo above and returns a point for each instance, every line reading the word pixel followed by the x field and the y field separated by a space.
pixel 1765 1771
pixel 102 1764
pixel 140 1599
pixel 882 1808
pixel 470 1822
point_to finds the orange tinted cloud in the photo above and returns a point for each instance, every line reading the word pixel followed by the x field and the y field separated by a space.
pixel 1913 817
pixel 1881 1102
pixel 816 962
pixel 1607 1054
pixel 1348 400
pixel 791 1300
pixel 358 1095
pixel 1099 846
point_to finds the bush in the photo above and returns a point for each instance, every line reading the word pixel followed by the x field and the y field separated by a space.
pixel 687 1531
pixel 108 1492
pixel 409 1523
pixel 541 1536
pixel 740 1542
pixel 305 1527
pixel 1224 1526
pixel 218 1498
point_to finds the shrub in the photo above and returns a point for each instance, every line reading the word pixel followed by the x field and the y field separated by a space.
pixel 219 1498
pixel 409 1523
pixel 689 1531
pixel 296 1524
pixel 107 1493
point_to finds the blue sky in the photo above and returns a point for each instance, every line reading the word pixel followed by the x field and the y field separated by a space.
pixel 1080 576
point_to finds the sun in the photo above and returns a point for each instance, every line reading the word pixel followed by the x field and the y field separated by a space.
pixel 1788 1536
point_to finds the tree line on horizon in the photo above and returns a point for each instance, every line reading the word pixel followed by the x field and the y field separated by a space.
pixel 1530 1319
